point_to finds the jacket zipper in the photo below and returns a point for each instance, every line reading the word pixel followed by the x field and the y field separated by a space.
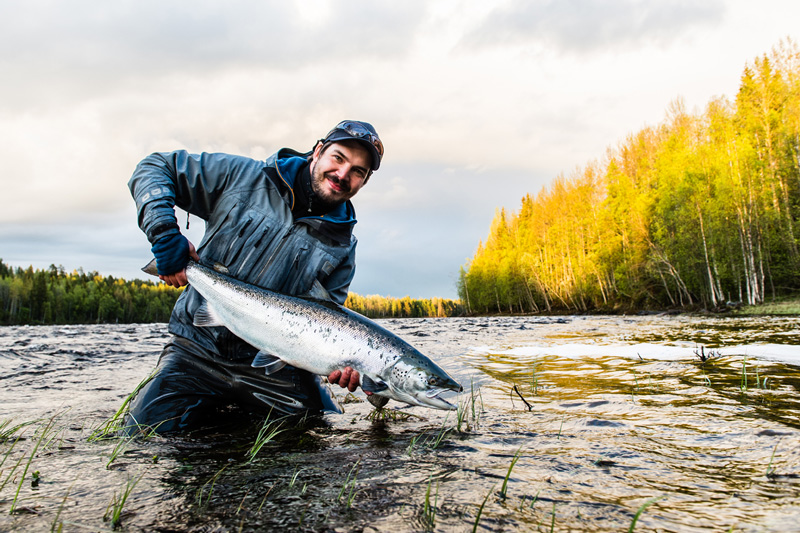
pixel 280 247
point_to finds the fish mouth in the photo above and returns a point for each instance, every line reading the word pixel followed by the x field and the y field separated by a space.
pixel 432 399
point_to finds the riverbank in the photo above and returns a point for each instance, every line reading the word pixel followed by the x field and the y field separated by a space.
pixel 780 306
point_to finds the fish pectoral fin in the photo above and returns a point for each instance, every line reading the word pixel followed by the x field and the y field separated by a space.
pixel 370 385
pixel 206 317
pixel 270 363
pixel 222 269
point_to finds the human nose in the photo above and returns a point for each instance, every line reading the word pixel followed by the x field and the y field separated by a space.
pixel 343 171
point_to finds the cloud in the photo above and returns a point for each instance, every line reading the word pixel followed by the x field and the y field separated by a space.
pixel 581 26
pixel 478 103
pixel 86 47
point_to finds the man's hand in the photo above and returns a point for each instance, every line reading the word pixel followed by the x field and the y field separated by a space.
pixel 178 279
pixel 347 379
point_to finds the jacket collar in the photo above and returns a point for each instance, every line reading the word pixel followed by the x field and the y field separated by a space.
pixel 284 168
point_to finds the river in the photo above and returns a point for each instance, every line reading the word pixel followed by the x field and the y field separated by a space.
pixel 566 424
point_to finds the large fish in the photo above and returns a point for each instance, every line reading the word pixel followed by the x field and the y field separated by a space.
pixel 319 336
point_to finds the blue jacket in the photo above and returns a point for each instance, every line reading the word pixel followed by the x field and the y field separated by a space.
pixel 247 206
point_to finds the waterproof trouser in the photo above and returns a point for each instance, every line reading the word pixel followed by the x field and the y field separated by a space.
pixel 193 388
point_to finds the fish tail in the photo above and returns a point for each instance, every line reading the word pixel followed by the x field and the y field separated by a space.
pixel 150 268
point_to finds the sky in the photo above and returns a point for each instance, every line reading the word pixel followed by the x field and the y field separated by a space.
pixel 478 103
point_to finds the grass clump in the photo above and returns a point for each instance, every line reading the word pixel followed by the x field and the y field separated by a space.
pixel 269 430
pixel 46 435
pixel 348 490
pixel 779 307
pixel 114 510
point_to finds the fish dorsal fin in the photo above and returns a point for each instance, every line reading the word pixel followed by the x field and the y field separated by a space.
pixel 370 385
pixel 270 363
pixel 206 317
pixel 318 292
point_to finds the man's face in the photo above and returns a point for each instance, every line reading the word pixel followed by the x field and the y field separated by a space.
pixel 339 171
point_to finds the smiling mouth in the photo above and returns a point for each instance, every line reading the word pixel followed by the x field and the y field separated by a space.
pixel 337 185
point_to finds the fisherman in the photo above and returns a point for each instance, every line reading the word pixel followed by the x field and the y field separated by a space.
pixel 284 224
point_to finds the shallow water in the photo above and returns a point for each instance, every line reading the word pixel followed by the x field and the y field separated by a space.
pixel 607 415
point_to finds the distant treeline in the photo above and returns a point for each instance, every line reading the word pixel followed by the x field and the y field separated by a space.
pixel 388 307
pixel 53 296
pixel 699 211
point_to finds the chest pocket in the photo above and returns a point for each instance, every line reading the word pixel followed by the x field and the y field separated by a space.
pixel 269 251
pixel 295 262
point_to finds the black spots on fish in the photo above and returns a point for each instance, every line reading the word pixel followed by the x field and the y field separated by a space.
pixel 399 373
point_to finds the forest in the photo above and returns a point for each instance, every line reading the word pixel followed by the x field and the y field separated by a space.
pixel 53 296
pixel 698 212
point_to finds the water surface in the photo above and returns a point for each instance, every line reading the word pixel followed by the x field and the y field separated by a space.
pixel 604 414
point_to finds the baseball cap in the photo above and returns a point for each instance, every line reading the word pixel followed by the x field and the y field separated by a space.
pixel 362 132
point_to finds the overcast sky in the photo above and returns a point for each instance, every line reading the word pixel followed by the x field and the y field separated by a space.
pixel 477 102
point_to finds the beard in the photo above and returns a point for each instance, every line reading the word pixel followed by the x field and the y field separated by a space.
pixel 323 194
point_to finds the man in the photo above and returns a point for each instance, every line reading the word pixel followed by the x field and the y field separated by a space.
pixel 284 225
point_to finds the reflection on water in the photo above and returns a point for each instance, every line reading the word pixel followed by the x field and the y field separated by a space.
pixel 606 413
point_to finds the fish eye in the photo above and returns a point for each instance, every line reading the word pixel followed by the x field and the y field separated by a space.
pixel 432 380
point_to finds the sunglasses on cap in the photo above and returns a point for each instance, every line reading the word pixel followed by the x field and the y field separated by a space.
pixel 357 130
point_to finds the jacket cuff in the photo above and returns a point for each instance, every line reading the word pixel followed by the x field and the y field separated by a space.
pixel 162 230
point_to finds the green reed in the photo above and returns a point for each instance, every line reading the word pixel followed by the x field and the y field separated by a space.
pixel 269 430
pixel 464 408
pixel 207 489
pixel 533 500
pixel 517 455
pixel 770 470
pixel 114 510
pixel 7 431
pixel 480 510
pixel 534 380
pixel 428 509
pixel 432 441
pixel 115 424
pixel 644 506
pixel 57 525
pixel 46 435
pixel 349 485
pixel 743 384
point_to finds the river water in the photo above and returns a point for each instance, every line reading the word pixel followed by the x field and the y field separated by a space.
pixel 567 424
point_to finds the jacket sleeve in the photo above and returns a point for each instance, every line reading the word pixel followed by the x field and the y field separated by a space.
pixel 192 182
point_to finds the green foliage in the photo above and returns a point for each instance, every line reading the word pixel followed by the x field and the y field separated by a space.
pixel 375 306
pixel 697 212
pixel 53 296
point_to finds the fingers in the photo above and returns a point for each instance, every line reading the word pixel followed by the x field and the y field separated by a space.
pixel 179 279
pixel 175 280
pixel 193 252
pixel 346 378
